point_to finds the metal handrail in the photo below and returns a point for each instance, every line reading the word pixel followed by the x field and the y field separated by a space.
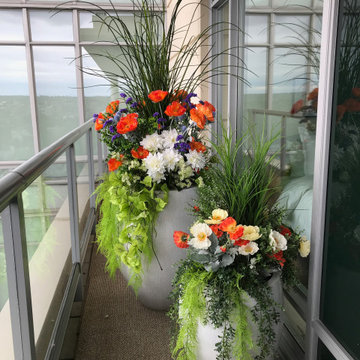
pixel 22 176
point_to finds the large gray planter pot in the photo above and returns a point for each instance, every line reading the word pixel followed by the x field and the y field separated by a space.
pixel 208 336
pixel 156 284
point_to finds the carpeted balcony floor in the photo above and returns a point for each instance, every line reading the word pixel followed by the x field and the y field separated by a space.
pixel 115 325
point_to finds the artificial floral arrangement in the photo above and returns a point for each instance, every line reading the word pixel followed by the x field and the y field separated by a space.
pixel 148 156
pixel 236 245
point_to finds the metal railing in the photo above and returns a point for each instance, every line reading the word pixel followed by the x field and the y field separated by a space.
pixel 12 186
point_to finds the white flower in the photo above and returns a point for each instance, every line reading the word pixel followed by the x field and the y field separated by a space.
pixel 304 248
pixel 249 249
pixel 152 142
pixel 217 216
pixel 171 158
pixel 253 263
pixel 278 242
pixel 201 234
pixel 195 100
pixel 155 166
pixel 169 138
pixel 251 233
pixel 196 160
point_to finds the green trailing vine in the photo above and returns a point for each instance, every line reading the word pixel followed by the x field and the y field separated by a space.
pixel 126 225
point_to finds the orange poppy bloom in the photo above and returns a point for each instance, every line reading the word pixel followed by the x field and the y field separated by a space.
pixel 313 95
pixel 112 107
pixel 237 233
pixel 179 95
pixel 181 239
pixel 198 146
pixel 175 109
pixel 157 95
pixel 241 242
pixel 228 225
pixel 297 106
pixel 198 117
pixel 140 153
pixel 127 123
pixel 207 109
pixel 113 164
pixel 215 229
pixel 99 124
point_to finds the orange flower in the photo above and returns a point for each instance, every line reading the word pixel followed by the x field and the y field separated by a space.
pixel 356 92
pixel 207 109
pixel 196 208
pixel 340 112
pixel 99 124
pixel 215 229
pixel 198 117
pixel 113 164
pixel 223 248
pixel 112 107
pixel 241 242
pixel 228 225
pixel 179 95
pixel 127 123
pixel 198 146
pixel 140 153
pixel 157 95
pixel 313 95
pixel 297 106
pixel 175 109
pixel 237 233
pixel 279 256
pixel 181 239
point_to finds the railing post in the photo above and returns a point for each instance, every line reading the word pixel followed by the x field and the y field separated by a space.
pixel 17 268
pixel 91 168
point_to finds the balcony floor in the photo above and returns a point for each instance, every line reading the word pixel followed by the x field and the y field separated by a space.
pixel 115 325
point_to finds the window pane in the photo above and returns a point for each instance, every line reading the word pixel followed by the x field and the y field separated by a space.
pixel 256 29
pixel 255 94
pixel 11 26
pixel 277 3
pixel 56 92
pixel 16 143
pixel 51 26
pixel 254 3
pixel 6 343
pixel 292 29
pixel 47 227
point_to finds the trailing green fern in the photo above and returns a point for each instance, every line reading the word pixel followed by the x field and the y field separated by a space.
pixel 125 229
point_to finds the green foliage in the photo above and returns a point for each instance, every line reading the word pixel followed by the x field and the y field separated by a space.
pixel 124 231
pixel 242 180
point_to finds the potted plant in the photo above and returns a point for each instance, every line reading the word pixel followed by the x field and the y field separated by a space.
pixel 228 289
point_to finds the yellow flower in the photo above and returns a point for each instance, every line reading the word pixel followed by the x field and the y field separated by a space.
pixel 304 248
pixel 251 233
pixel 217 216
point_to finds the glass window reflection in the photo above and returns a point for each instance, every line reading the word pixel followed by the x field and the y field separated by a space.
pixel 256 29
pixel 290 29
pixel 11 26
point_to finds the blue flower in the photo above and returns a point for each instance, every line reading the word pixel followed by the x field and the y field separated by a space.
pixel 128 100
pixel 192 106
pixel 201 102
pixel 107 122
pixel 111 129
pixel 124 111
pixel 95 116
pixel 179 137
pixel 117 116
pixel 190 96
pixel 134 105
pixel 161 120
pixel 182 147
pixel 115 137
pixel 123 95
pixel 183 128
pixel 156 114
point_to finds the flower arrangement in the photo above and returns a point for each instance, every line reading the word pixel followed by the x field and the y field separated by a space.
pixel 228 261
pixel 147 157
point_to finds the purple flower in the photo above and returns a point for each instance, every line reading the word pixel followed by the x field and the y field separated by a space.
pixel 179 137
pixel 192 106
pixel 190 96
pixel 115 137
pixel 156 114
pixel 107 122
pixel 183 128
pixel 134 105
pixel 111 129
pixel 182 147
pixel 117 116
pixel 161 120
pixel 95 116
pixel 201 102
pixel 124 111
pixel 123 95
pixel 128 100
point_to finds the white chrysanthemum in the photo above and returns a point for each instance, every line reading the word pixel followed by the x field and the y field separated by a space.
pixel 171 158
pixel 155 166
pixel 196 160
pixel 250 249
pixel 201 233
pixel 169 138
pixel 152 142
pixel 278 242
pixel 304 248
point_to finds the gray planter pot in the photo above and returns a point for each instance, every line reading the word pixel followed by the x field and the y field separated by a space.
pixel 208 336
pixel 156 285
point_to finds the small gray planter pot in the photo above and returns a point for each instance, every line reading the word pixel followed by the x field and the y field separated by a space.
pixel 156 285
pixel 208 336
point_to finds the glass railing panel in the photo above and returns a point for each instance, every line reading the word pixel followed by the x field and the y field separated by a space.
pixel 47 226
pixel 6 343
